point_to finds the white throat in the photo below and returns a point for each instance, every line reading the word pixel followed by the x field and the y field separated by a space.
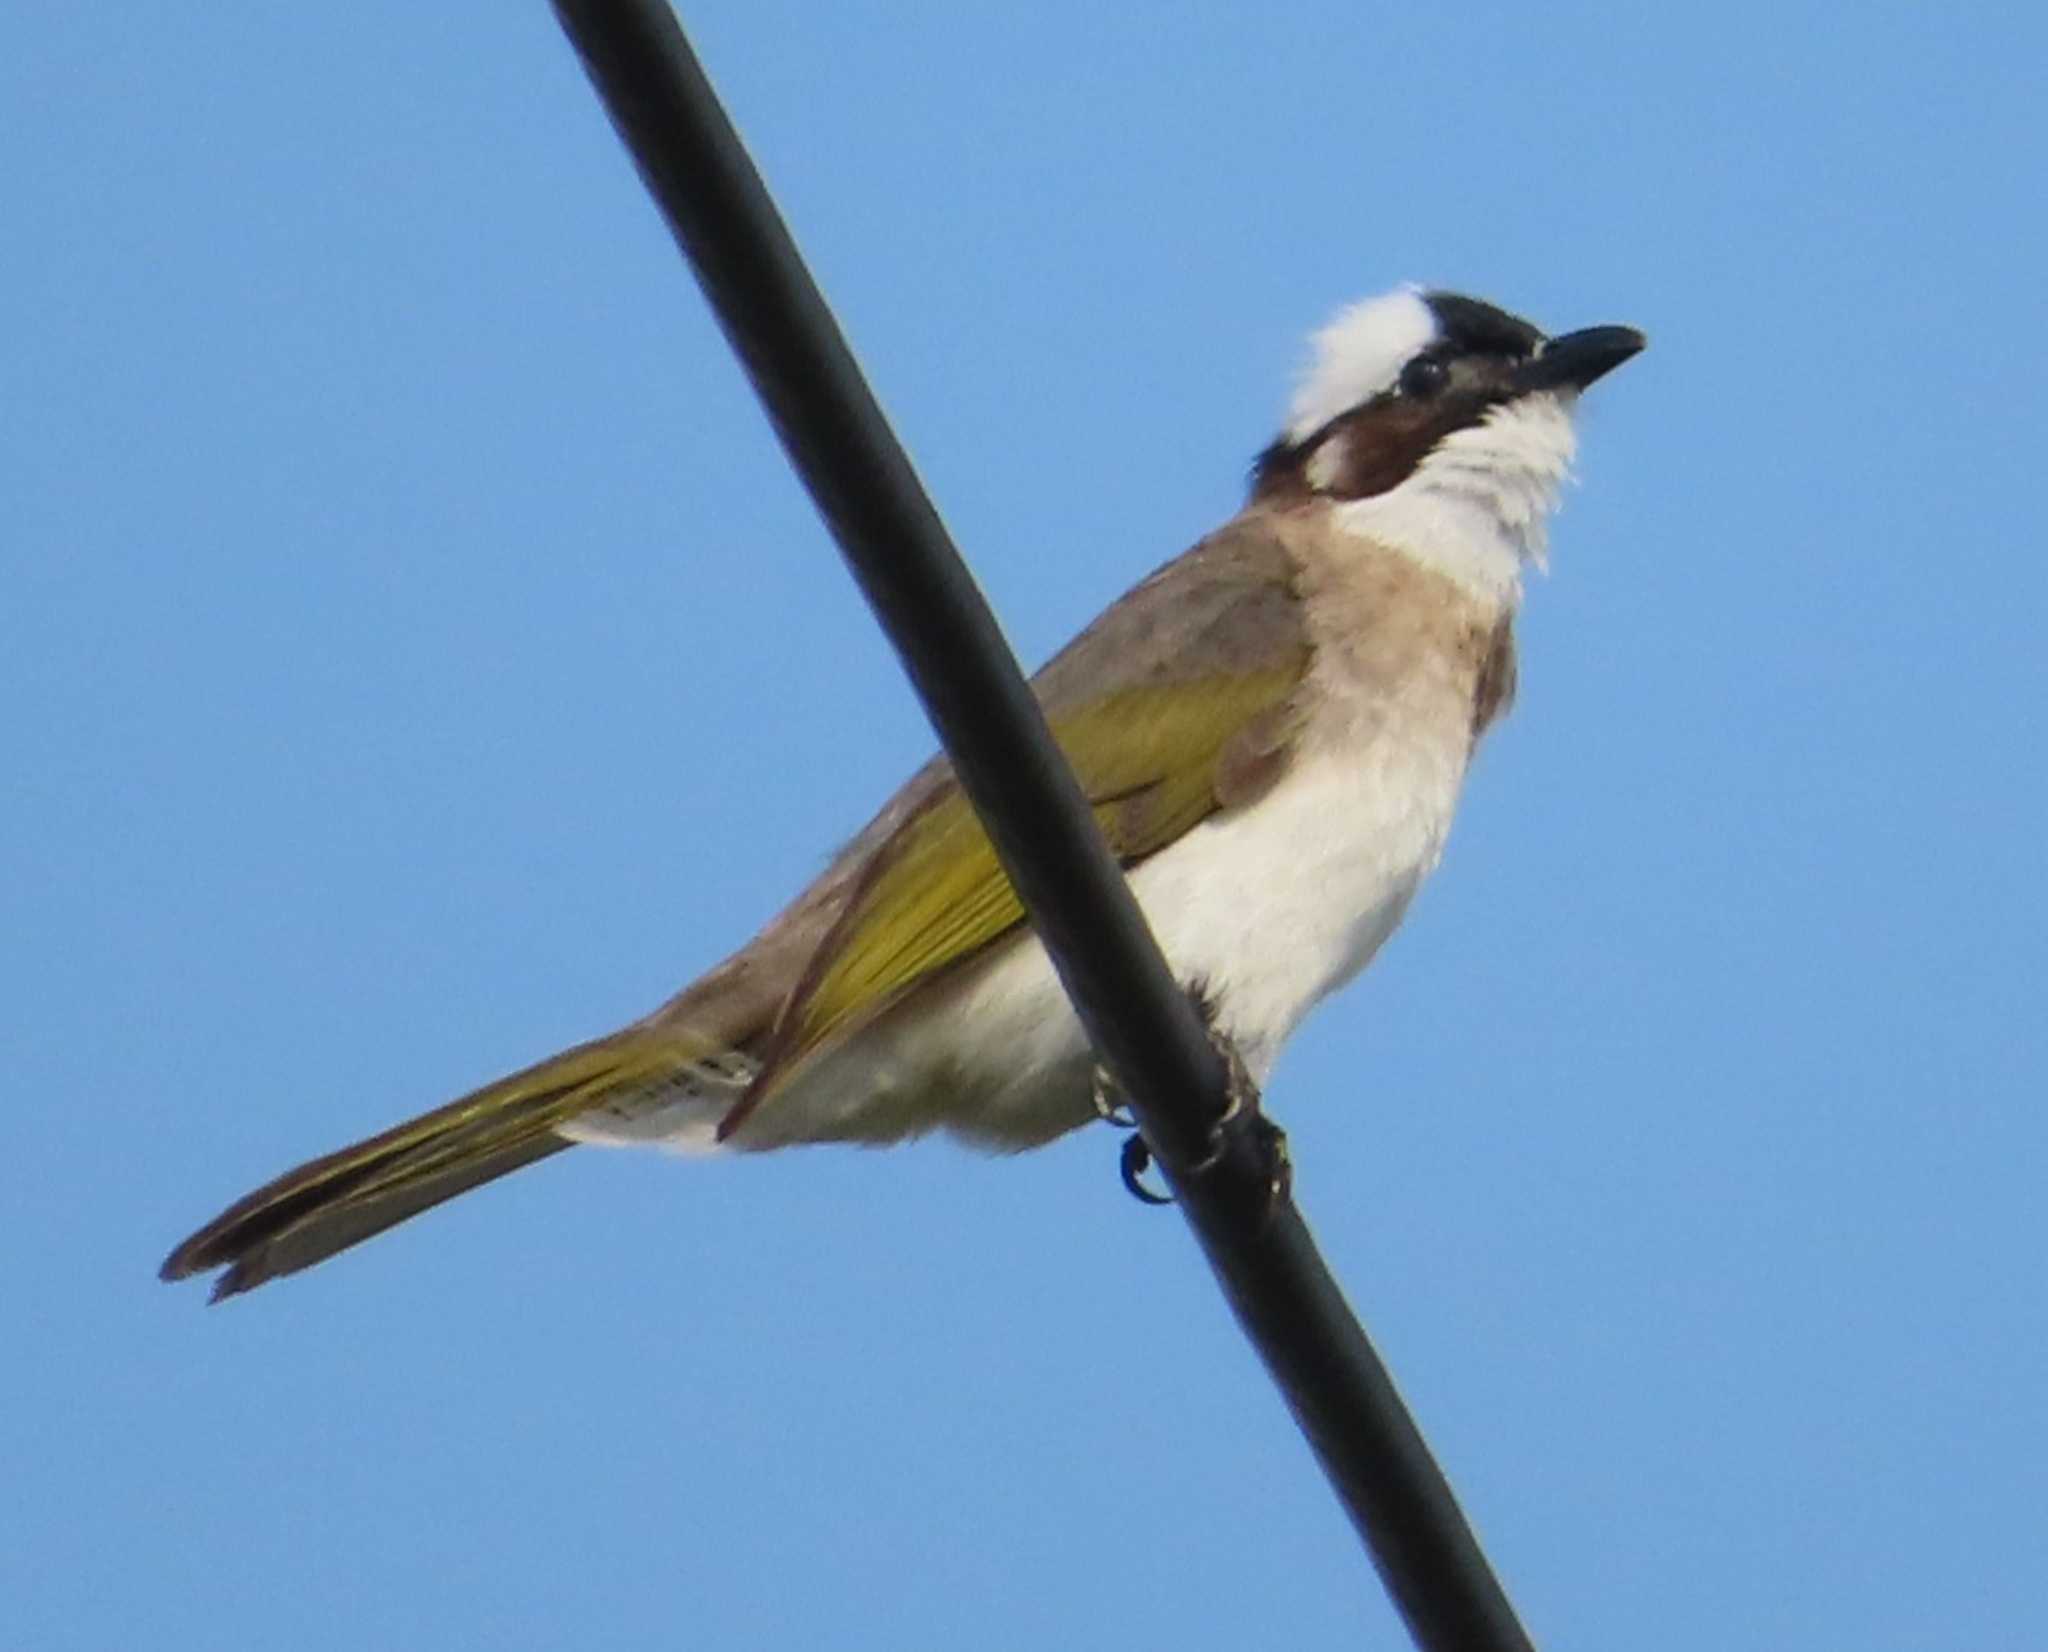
pixel 1476 508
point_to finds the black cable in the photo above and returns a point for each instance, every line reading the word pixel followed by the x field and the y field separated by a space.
pixel 1144 1027
pixel 899 551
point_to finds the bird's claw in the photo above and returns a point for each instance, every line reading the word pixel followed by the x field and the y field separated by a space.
pixel 1135 1158
pixel 1133 1162
pixel 1109 1104
pixel 1240 1118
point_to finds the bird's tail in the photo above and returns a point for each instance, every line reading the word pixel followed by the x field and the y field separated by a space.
pixel 308 1214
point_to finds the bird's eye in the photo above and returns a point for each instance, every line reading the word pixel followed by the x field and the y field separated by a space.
pixel 1423 377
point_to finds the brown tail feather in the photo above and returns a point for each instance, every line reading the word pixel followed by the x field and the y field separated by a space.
pixel 308 1214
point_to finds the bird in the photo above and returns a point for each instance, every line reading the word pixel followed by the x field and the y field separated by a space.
pixel 1272 731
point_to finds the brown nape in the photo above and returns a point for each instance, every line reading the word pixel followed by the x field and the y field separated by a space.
pixel 1376 446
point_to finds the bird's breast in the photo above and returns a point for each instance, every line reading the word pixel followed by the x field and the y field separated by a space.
pixel 1274 906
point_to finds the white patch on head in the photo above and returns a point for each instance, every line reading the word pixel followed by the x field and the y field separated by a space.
pixel 1359 355
pixel 1476 507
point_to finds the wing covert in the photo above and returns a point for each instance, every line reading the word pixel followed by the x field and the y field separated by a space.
pixel 1177 701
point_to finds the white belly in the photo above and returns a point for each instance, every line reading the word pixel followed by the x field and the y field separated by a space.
pixel 1268 908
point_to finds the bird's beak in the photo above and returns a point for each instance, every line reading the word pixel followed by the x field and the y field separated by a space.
pixel 1574 360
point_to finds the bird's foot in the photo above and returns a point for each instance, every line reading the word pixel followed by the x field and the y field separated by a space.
pixel 1241 1121
pixel 1135 1158
pixel 1240 1126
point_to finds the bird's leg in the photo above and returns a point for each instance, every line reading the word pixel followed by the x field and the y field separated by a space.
pixel 1241 1112
pixel 1240 1116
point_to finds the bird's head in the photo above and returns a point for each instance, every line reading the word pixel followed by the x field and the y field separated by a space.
pixel 1441 425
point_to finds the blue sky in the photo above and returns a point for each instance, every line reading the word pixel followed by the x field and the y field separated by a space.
pixel 414 656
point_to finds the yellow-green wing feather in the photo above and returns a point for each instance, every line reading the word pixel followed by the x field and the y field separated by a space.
pixel 1150 759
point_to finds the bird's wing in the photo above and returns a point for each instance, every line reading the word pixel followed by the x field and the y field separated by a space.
pixel 1178 701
